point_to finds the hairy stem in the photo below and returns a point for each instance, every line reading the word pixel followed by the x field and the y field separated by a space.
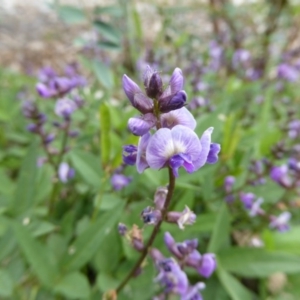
pixel 154 233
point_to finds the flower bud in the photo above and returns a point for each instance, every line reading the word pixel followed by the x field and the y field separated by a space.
pixel 207 265
pixel 122 228
pixel 186 217
pixel 151 216
pixel 129 154
pixel 33 128
pixel 153 86
pixel 160 197
pixel 140 126
pixel 172 102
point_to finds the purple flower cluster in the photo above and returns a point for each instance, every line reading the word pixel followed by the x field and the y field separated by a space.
pixel 174 144
pixel 52 85
pixel 171 274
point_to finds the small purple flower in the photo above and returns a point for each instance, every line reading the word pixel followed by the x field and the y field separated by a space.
pixel 228 183
pixel 151 216
pixel 186 217
pixel 178 147
pixel 65 172
pixel 247 199
pixel 45 91
pixel 240 57
pixel 280 175
pixel 119 181
pixel 281 222
pixel 287 72
pixel 294 129
pixel 172 278
pixel 129 154
pixel 255 208
pixel 207 265
pixel 122 229
pixel 193 292
pixel 65 107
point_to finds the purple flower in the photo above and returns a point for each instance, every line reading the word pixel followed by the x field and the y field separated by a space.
pixel 170 99
pixel 207 265
pixel 281 222
pixel 119 181
pixel 294 129
pixel 138 100
pixel 141 125
pixel 172 278
pixel 129 154
pixel 247 199
pixel 122 229
pixel 214 150
pixel 65 172
pixel 240 56
pixel 65 107
pixel 178 147
pixel 186 217
pixel 45 91
pixel 228 183
pixel 193 292
pixel 287 72
pixel 280 175
pixel 178 117
pixel 151 216
pixel 255 208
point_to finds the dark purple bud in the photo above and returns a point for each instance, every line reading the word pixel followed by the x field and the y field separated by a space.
pixel 214 150
pixel 41 118
pixel 172 102
pixel 122 228
pixel 229 198
pixel 29 109
pixel 49 138
pixel 129 154
pixel 153 83
pixel 33 128
pixel 208 265
pixel 247 199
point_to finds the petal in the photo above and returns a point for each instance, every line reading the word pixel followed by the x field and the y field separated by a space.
pixel 180 116
pixel 186 141
pixel 139 126
pixel 130 88
pixel 176 81
pixel 205 143
pixel 160 148
pixel 214 150
pixel 141 161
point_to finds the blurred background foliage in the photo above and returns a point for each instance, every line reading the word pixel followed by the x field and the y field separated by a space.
pixel 73 251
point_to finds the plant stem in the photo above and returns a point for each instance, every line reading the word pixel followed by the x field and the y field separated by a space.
pixel 153 234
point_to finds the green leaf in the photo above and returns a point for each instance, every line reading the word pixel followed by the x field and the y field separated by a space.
pixel 220 235
pixel 287 242
pixel 103 74
pixel 6 284
pixel 105 142
pixel 110 32
pixel 74 286
pixel 88 166
pixel 25 190
pixel 233 287
pixel 87 244
pixel 109 45
pixel 37 255
pixel 250 262
pixel 112 10
pixel 71 14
